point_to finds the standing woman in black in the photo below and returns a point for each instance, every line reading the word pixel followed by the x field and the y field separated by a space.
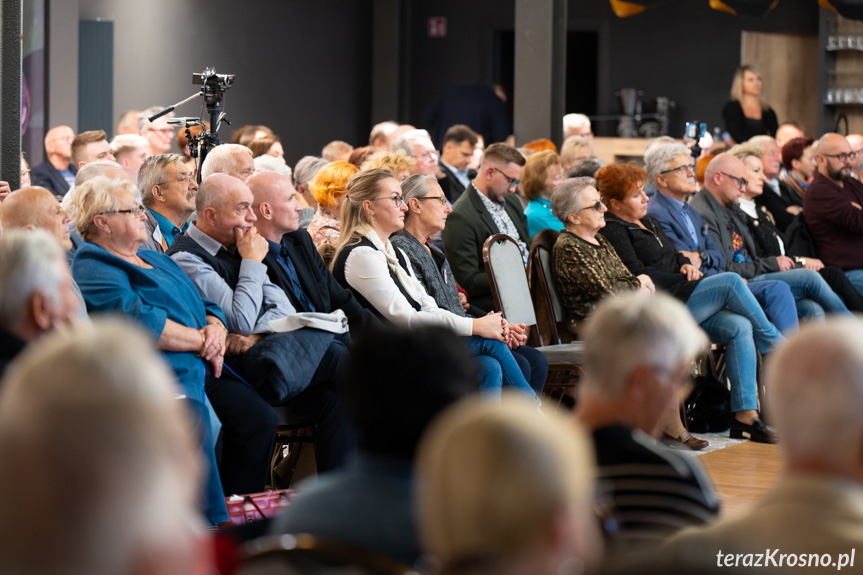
pixel 747 114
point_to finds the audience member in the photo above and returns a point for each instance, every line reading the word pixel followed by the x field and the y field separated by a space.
pixel 425 217
pixel 245 134
pixel 575 148
pixel 833 208
pixel 368 504
pixel 329 187
pixel 109 169
pixel 126 501
pixel 360 155
pixel 168 192
pixel 305 170
pixel 542 172
pixel 487 207
pixel 637 364
pixel 159 133
pixel 91 146
pixel 130 151
pixel 379 134
pixel 669 169
pixel 232 159
pixel 540 145
pixel 856 142
pixel 268 145
pixel 717 202
pixel 417 144
pixel 784 201
pixel 336 151
pixel 36 290
pixel 577 125
pixel 500 490
pixel 128 122
pixel 366 262
pixel 396 134
pixel 814 509
pixel 25 181
pixel 478 150
pixel 459 143
pixel 786 132
pixel 584 167
pixel 397 163
pixel 57 172
pixel 223 253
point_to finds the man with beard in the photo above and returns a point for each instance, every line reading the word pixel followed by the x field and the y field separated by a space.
pixel 833 208
pixel 168 192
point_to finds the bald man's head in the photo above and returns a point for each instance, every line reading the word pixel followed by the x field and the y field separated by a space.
pixel 833 157
pixel 224 207
pixel 36 208
pixel 275 205
pixel 725 179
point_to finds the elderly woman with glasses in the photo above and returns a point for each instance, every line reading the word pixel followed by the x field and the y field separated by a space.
pixel 149 287
pixel 426 216
pixel 366 262
pixel 588 265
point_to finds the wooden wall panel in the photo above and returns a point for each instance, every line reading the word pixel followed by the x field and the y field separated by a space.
pixel 789 66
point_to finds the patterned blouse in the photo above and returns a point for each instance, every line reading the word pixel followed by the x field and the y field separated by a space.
pixel 325 227
pixel 585 273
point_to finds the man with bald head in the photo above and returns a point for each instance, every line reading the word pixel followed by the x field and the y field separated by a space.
pixel 833 208
pixel 223 254
pixel 717 202
pixel 292 262
pixel 56 173
pixel 786 132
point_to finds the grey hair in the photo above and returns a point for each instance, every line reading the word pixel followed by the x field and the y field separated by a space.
pixel 125 143
pixel 633 330
pixel 823 423
pixel 30 262
pixel 96 196
pixel 143 117
pixel 659 156
pixel 265 163
pixel 405 142
pixel 383 130
pixel 566 198
pixel 84 175
pixel 416 186
pixel 306 169
pixel 222 159
pixel 153 172
pixel 575 122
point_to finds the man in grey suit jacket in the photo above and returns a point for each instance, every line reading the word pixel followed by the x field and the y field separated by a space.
pixel 816 508
pixel 487 207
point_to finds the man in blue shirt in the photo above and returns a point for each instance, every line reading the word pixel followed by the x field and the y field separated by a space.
pixel 168 192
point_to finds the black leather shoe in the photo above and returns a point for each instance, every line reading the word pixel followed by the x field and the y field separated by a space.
pixel 757 432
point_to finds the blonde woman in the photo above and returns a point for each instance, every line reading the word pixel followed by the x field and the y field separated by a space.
pixel 747 114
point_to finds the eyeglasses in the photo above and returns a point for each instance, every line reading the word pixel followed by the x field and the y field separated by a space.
pixel 397 200
pixel 513 182
pixel 164 131
pixel 598 206
pixel 741 182
pixel 441 199
pixel 134 211
pixel 682 169
pixel 430 155
pixel 843 157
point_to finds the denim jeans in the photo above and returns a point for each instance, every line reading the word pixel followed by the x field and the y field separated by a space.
pixel 808 285
pixel 778 304
pixel 498 369
pixel 856 278
pixel 730 314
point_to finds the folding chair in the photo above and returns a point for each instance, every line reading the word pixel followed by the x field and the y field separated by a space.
pixel 511 293
pixel 292 435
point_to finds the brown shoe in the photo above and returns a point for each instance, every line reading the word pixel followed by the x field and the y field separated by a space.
pixel 689 441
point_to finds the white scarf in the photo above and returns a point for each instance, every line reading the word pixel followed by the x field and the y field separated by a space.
pixel 409 283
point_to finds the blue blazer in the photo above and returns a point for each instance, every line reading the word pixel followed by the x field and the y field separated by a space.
pixel 666 212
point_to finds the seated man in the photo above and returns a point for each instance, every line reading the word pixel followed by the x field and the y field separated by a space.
pixel 670 171
pixel 417 144
pixel 222 253
pixel 833 208
pixel 292 261
pixel 36 293
pixel 368 504
pixel 91 146
pixel 168 192
pixel 486 208
pixel 717 202
pixel 637 359
pixel 130 151
pixel 459 143
pixel 816 506
pixel 57 172
pixel 232 159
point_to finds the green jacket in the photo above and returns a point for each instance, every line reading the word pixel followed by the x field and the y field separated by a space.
pixel 467 228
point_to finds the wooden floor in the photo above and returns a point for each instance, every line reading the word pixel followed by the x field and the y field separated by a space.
pixel 742 473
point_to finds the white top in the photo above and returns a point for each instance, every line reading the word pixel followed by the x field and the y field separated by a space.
pixel 367 272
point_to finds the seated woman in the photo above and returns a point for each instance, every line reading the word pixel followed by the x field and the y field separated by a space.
pixel 366 263
pixel 148 286
pixel 267 145
pixel 329 189
pixel 397 163
pixel 541 174
pixel 768 239
pixel 586 267
pixel 471 464
pixel 426 216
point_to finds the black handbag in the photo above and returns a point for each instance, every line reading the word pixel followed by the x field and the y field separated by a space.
pixel 708 407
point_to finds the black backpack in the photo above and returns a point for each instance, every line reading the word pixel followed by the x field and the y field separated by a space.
pixel 708 407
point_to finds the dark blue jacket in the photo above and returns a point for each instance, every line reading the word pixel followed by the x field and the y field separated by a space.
pixel 669 218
